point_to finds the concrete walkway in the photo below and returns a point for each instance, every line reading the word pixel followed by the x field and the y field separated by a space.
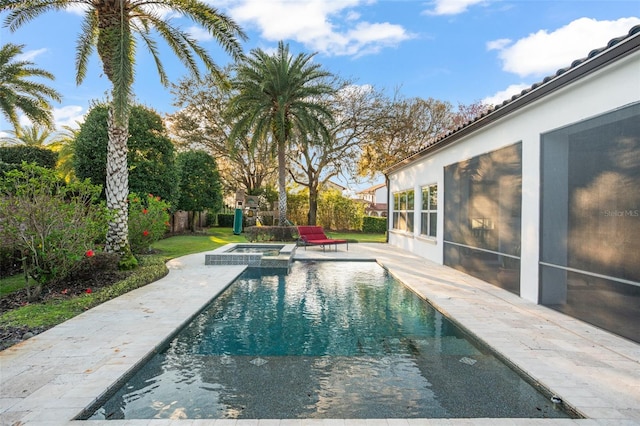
pixel 50 378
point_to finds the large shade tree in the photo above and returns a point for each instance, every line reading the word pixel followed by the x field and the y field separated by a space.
pixel 404 126
pixel 151 155
pixel 113 28
pixel 313 163
pixel 279 95
pixel 19 93
pixel 202 122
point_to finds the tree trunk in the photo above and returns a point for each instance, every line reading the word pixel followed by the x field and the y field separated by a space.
pixel 117 186
pixel 282 188
pixel 312 217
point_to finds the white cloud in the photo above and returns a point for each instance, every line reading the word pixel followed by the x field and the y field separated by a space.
pixel 199 33
pixel 352 16
pixel 23 120
pixel 364 39
pixel 331 27
pixel 356 89
pixel 544 52
pixel 503 95
pixel 451 7
pixel 30 55
pixel 69 115
pixel 499 44
pixel 77 8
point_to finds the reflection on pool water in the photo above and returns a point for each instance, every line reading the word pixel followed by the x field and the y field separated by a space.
pixel 328 340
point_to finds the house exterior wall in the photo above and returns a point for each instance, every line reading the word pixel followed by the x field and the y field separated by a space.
pixel 602 91
pixel 380 196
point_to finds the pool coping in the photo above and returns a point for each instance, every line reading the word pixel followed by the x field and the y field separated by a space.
pixel 50 378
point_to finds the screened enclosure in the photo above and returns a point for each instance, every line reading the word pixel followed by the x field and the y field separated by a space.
pixel 590 221
pixel 482 211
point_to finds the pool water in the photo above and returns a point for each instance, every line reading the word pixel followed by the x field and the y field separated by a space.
pixel 267 250
pixel 328 340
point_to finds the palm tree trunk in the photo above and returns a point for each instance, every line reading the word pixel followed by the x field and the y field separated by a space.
pixel 117 185
pixel 282 188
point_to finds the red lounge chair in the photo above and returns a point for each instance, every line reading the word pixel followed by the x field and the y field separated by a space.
pixel 315 236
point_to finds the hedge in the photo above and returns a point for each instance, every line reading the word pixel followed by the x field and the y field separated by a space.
pixel 270 233
pixel 374 225
pixel 30 154
pixel 225 220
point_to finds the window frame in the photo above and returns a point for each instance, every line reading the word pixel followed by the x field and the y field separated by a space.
pixel 429 229
pixel 404 210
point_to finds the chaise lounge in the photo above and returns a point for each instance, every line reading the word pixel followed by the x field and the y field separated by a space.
pixel 315 236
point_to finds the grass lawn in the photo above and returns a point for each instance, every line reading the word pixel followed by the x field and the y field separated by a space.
pixel 11 284
pixel 358 237
pixel 213 238
pixel 181 245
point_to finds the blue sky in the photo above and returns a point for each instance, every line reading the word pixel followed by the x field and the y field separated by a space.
pixel 459 51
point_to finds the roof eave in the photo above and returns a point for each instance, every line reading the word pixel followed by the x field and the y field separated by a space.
pixel 539 90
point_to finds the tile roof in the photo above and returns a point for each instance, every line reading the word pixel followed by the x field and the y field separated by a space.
pixel 526 96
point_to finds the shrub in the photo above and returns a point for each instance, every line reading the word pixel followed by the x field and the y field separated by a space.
pixel 5 167
pixel 31 154
pixel 374 225
pixel 270 233
pixel 297 208
pixel 95 264
pixel 9 260
pixel 200 187
pixel 210 219
pixel 338 212
pixel 225 220
pixel 150 156
pixel 52 224
pixel 148 221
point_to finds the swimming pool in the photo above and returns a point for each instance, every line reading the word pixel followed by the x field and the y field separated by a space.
pixel 328 340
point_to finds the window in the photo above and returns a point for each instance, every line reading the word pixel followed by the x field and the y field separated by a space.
pixel 482 207
pixel 429 210
pixel 403 205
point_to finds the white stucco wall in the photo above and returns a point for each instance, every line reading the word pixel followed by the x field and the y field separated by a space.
pixel 380 196
pixel 603 91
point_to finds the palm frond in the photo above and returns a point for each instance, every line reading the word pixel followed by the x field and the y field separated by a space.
pixel 153 49
pixel 21 12
pixel 86 41
pixel 18 92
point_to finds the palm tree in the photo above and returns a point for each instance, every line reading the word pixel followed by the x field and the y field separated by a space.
pixel 19 93
pixel 65 145
pixel 113 28
pixel 36 135
pixel 279 96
